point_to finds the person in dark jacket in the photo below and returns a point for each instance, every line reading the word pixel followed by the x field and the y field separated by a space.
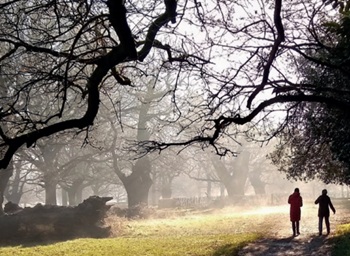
pixel 324 203
pixel 295 201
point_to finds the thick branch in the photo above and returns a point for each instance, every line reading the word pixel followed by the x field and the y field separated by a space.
pixel 280 38
pixel 118 20
pixel 105 64
pixel 222 122
pixel 152 32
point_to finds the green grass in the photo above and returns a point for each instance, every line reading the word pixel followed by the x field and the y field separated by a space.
pixel 191 245
pixel 183 233
pixel 342 241
pixel 201 234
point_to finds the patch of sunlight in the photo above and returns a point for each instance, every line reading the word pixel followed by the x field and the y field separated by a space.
pixel 268 210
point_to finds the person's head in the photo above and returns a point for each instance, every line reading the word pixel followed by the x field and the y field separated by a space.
pixel 296 190
pixel 324 192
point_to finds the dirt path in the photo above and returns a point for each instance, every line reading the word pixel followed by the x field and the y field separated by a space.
pixel 308 245
pixel 280 241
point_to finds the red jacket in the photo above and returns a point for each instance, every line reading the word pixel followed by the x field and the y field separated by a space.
pixel 295 201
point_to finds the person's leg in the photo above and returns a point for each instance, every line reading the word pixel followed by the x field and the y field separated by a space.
pixel 320 220
pixel 327 225
pixel 293 227
pixel 297 226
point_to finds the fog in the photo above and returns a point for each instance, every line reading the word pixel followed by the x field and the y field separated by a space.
pixel 194 178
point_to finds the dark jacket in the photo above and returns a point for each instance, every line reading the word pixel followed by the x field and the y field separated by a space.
pixel 324 203
pixel 295 201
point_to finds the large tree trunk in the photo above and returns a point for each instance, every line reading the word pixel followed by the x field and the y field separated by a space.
pixel 5 175
pixel 64 197
pixel 138 183
pixel 75 193
pixel 209 188
pixel 235 177
pixel 71 197
pixel 79 194
pixel 166 190
pixel 50 192
pixel 257 183
pixel 14 189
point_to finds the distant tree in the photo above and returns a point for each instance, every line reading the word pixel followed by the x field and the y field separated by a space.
pixel 18 183
pixel 166 167
pixel 5 176
pixel 61 164
pixel 138 179
pixel 233 173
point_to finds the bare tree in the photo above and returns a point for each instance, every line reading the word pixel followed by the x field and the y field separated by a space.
pixel 56 56
pixel 258 48
pixel 233 62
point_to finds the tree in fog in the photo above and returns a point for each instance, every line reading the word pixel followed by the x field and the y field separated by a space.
pixel 66 165
pixel 166 167
pixel 45 161
pixel 238 62
pixel 18 183
pixel 233 172
pixel 229 172
pixel 262 172
pixel 140 111
pixel 5 176
pixel 78 171
pixel 57 55
pixel 258 76
pixel 250 167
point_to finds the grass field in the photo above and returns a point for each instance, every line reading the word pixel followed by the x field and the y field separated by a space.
pixel 183 233
pixel 170 245
pixel 222 234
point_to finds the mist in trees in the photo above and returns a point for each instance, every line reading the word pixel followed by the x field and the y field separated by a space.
pixel 128 97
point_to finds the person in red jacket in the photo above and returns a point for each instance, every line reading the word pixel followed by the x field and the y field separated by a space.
pixel 296 202
pixel 324 203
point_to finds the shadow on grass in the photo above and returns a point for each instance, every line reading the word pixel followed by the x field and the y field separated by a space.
pixel 313 245
pixel 341 245
pixel 32 243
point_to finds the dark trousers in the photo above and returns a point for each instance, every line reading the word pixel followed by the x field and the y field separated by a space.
pixel 295 227
pixel 320 221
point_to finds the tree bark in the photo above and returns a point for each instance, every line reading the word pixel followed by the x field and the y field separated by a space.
pixel 138 183
pixel 5 175
pixel 64 198
pixel 233 179
pixel 257 183
pixel 14 190
pixel 50 192
pixel 166 190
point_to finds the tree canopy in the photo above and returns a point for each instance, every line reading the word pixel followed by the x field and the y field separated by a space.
pixel 230 63
pixel 315 142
